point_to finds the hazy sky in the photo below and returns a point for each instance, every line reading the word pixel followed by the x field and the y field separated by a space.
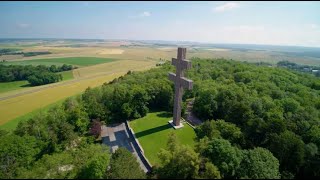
pixel 281 23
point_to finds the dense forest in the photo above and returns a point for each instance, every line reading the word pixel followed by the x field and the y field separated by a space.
pixel 36 75
pixel 260 122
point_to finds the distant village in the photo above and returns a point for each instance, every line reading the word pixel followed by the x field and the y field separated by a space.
pixel 303 68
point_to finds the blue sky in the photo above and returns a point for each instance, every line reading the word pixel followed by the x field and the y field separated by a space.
pixel 279 23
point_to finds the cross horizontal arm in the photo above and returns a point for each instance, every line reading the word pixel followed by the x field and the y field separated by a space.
pixel 185 64
pixel 186 83
pixel 172 76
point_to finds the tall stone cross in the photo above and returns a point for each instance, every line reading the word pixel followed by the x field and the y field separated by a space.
pixel 180 82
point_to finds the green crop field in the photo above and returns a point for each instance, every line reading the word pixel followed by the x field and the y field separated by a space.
pixel 77 61
pixel 66 75
pixel 10 86
pixel 153 130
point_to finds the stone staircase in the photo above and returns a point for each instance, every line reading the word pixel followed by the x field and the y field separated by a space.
pixel 190 116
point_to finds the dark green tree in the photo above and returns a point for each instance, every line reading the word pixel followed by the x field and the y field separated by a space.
pixel 226 157
pixel 288 148
pixel 178 161
pixel 17 152
pixel 123 165
pixel 259 163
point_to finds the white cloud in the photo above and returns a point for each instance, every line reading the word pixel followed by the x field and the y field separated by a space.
pixel 145 14
pixel 314 26
pixel 141 15
pixel 23 25
pixel 227 6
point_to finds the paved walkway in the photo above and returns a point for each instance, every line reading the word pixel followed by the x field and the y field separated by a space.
pixel 190 116
pixel 116 136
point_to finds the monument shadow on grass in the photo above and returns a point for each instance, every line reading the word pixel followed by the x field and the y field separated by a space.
pixel 153 130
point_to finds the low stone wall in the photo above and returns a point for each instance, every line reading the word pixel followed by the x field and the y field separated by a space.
pixel 188 123
pixel 140 152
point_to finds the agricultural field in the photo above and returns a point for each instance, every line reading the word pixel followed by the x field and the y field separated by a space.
pixel 153 131
pixel 66 75
pixel 123 65
pixel 17 106
pixel 76 61
pixel 145 50
pixel 11 125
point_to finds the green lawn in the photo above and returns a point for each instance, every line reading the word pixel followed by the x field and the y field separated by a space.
pixel 78 61
pixel 14 85
pixel 152 132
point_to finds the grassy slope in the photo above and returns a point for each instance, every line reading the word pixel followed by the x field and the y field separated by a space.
pixel 15 85
pixel 79 61
pixel 152 132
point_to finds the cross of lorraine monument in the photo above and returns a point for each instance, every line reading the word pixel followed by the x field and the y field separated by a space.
pixel 180 82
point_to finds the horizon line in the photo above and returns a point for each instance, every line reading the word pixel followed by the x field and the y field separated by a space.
pixel 198 42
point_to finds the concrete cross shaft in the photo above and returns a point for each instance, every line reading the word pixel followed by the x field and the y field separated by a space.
pixel 180 82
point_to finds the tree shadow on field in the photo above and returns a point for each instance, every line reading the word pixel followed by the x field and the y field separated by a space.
pixel 26 85
pixel 153 130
